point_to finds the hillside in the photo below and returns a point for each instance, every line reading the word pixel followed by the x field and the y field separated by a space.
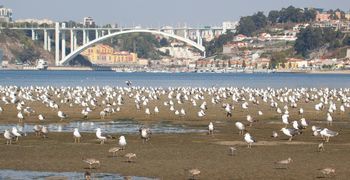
pixel 17 47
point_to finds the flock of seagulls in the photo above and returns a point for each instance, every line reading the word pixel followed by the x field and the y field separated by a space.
pixel 181 102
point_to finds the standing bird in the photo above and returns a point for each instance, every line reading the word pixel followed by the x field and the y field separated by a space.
pixel 76 135
pixel 211 128
pixel 130 156
pixel 122 142
pixel 326 133
pixel 290 132
pixel 100 136
pixel 44 131
pixel 20 116
pixel 249 139
pixel 320 147
pixel 114 150
pixel 274 134
pixel 145 134
pixel 41 117
pixel 16 133
pixel 240 126
pixel 8 136
pixel 232 150
pixel 128 83
pixel 91 162
pixel 61 115
pixel 329 119
pixel 301 112
pixel 285 119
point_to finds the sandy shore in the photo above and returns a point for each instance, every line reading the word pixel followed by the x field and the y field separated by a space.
pixel 166 156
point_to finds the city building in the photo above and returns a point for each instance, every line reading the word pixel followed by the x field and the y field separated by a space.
pixel 347 15
pixel 88 22
pixel 106 55
pixel 5 14
pixel 229 25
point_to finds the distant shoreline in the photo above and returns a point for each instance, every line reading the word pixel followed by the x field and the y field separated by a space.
pixel 247 72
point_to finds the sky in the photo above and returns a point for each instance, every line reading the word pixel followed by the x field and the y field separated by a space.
pixel 156 13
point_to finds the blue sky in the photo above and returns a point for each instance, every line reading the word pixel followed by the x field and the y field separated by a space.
pixel 156 12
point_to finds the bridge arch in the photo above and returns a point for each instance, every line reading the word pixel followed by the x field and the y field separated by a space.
pixel 76 52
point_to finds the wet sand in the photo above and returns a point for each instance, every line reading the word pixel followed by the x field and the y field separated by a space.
pixel 167 156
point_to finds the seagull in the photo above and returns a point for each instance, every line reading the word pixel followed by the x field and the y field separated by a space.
pixel 328 133
pixel 37 129
pixel 130 156
pixel 76 135
pixel 285 119
pixel 128 83
pixel 44 131
pixel 20 116
pixel 122 142
pixel 250 120
pixel 61 115
pixel 301 112
pixel 102 114
pixel 210 128
pixel 304 123
pixel 321 147
pixel 100 136
pixel 156 110
pixel 290 132
pixel 240 126
pixel 329 119
pixel 8 136
pixel 249 139
pixel 91 162
pixel 41 117
pixel 232 150
pixel 145 134
pixel 274 134
pixel 296 125
pixel 16 133
pixel 284 162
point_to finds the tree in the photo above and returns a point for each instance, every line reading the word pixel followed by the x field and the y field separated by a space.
pixel 163 42
pixel 273 16
pixel 249 24
pixel 312 38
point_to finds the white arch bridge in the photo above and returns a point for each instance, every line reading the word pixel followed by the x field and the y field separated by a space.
pixel 73 54
pixel 57 35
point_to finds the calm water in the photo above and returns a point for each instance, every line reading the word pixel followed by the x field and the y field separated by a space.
pixel 93 78
pixel 118 127
pixel 29 175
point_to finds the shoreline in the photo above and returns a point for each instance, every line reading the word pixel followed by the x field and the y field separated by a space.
pixel 240 72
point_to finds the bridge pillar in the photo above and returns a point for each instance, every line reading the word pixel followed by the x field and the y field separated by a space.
pixel 84 37
pixel 185 34
pixel 71 40
pixel 33 34
pixel 45 39
pixel 87 37
pixel 75 40
pixel 57 44
pixel 49 42
pixel 63 44
pixel 96 34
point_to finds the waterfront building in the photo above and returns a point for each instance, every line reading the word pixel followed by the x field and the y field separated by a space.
pixel 5 14
pixel 104 54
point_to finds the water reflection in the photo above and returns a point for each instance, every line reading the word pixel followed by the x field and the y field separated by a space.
pixel 119 127
pixel 28 175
